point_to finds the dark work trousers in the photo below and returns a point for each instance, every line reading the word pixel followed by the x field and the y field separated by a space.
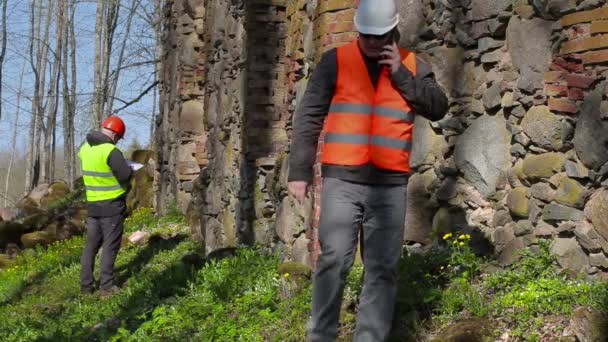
pixel 104 233
pixel 346 208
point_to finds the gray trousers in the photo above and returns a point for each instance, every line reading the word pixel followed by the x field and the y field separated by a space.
pixel 345 208
pixel 103 232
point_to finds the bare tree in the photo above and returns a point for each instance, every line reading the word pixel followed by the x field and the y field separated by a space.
pixel 116 73
pixel 69 93
pixel 2 49
pixel 157 24
pixel 48 152
pixel 105 28
pixel 14 139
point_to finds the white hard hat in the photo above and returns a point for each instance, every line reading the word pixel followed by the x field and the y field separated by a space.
pixel 376 17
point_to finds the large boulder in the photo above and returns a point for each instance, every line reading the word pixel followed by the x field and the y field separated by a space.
pixel 482 152
pixel 569 254
pixel 419 211
pixel 428 146
pixel 56 194
pixel 142 192
pixel 544 128
pixel 596 211
pixel 457 77
pixel 38 193
pixel 591 133
pixel 412 21
pixel 42 237
pixel 529 43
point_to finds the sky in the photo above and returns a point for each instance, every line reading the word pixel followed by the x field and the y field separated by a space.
pixel 132 81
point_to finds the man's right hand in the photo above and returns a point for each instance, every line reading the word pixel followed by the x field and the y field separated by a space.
pixel 299 189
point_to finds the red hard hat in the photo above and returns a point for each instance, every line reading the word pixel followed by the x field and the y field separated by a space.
pixel 114 124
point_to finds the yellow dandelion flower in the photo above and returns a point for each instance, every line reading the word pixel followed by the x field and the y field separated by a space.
pixel 462 237
pixel 447 236
pixel 461 243
pixel 286 275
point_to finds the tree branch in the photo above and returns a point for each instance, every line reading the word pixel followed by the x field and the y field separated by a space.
pixel 135 100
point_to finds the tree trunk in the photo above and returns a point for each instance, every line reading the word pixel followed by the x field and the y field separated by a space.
pixel 68 119
pixel 157 65
pixel 31 174
pixel 53 98
pixel 97 81
pixel 14 139
pixel 73 101
pixel 43 104
pixel 3 48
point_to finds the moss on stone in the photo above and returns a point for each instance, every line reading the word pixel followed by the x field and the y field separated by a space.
pixel 293 268
pixel 6 261
pixel 518 170
pixel 543 165
pixel 518 200
pixel 229 227
pixel 441 223
pixel 570 192
pixel 43 238
pixel 478 330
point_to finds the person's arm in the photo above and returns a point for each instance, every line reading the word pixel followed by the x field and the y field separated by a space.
pixel 421 91
pixel 119 167
pixel 309 118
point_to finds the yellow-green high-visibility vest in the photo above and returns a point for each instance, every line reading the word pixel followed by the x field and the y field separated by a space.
pixel 99 181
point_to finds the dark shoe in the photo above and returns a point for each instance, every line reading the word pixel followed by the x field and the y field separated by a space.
pixel 104 293
pixel 87 289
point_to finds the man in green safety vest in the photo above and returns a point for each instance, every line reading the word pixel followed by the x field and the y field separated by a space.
pixel 106 176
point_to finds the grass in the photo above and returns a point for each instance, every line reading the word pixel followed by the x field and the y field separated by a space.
pixel 169 294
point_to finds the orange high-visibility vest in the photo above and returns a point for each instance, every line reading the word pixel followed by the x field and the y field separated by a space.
pixel 366 125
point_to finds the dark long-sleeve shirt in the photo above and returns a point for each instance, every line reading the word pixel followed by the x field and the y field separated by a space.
pixel 121 171
pixel 421 91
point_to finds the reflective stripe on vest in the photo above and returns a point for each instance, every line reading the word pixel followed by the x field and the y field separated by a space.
pixel 99 181
pixel 366 124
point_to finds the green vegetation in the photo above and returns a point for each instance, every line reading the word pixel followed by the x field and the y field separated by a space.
pixel 447 285
pixel 170 293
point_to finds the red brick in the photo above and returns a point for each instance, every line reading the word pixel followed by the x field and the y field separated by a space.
pixel 575 94
pixel 593 57
pixel 579 81
pixel 584 44
pixel 554 76
pixel 569 65
pixel 556 90
pixel 585 16
pixel 556 67
pixel 334 5
pixel 599 26
pixel 562 105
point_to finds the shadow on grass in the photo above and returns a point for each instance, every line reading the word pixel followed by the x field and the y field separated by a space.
pixel 172 282
pixel 155 245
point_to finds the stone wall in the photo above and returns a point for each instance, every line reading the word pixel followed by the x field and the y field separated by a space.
pixel 520 157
